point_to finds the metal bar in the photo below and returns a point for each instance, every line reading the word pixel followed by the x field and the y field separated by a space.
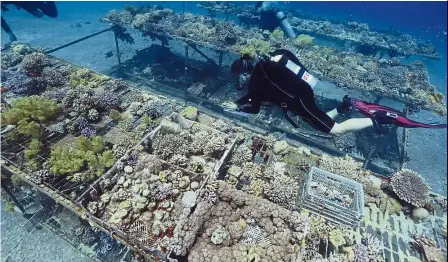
pixel 404 140
pixel 118 49
pixel 211 61
pixel 221 55
pixel 77 41
pixel 366 162
pixel 185 72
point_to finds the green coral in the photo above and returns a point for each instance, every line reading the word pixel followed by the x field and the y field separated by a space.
pixel 98 163
pixel 303 41
pixel 252 256
pixel 256 187
pixel 336 238
pixel 86 78
pixel 115 115
pixel 125 125
pixel 31 154
pixel 162 176
pixel 10 207
pixel 29 112
pixel 66 159
pixel 263 47
pixel 94 144
pixel 390 205
pixel 16 180
pixel 146 120
pixel 33 149
pixel 278 34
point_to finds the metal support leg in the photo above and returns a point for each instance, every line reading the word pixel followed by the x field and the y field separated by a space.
pixel 185 73
pixel 118 50
pixel 8 31
pixel 221 55
pixel 404 140
pixel 195 48
pixel 78 40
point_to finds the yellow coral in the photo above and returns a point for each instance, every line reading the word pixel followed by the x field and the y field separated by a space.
pixel 232 181
pixel 336 238
pixel 256 187
pixel 278 34
pixel 303 41
pixel 250 49
pixel 86 78
pixel 390 205
pixel 437 97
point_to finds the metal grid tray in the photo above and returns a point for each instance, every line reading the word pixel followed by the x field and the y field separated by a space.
pixel 319 204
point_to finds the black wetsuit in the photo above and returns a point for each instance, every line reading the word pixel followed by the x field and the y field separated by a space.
pixel 273 82
pixel 37 8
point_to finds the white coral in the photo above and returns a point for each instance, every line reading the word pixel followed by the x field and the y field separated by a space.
pixel 254 235
pixel 343 166
pixel 282 190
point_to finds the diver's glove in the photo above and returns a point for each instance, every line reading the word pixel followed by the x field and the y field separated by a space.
pixel 345 106
pixel 230 106
pixel 234 108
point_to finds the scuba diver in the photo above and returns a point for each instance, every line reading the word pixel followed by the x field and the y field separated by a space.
pixel 271 18
pixel 282 80
pixel 36 8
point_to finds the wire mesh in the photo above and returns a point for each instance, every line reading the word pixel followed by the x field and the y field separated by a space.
pixel 334 197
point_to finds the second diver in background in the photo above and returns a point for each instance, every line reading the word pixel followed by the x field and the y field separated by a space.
pixel 282 80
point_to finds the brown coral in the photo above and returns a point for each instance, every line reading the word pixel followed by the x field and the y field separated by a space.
pixel 410 187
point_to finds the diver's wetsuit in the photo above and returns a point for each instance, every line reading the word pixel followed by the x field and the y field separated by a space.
pixel 37 8
pixel 273 82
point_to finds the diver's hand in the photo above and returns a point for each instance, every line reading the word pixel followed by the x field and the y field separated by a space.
pixel 276 58
pixel 229 106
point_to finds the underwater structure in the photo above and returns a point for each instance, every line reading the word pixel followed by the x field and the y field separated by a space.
pixel 164 171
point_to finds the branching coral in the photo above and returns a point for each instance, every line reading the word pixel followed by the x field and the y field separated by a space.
pixel 31 154
pixel 40 176
pixel 241 155
pixel 68 159
pixel 154 108
pixel 34 63
pixel 65 160
pixel 361 253
pixel 56 95
pixel 343 166
pixel 255 45
pixel 52 77
pixel 166 145
pixel 252 170
pixel 29 112
pixel 282 190
pixel 84 78
pixel 107 100
pixel 410 187
pixel 88 131
pixel 374 249
pixel 428 247
pixel 303 41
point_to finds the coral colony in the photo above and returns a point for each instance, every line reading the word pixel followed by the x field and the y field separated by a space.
pixel 168 179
